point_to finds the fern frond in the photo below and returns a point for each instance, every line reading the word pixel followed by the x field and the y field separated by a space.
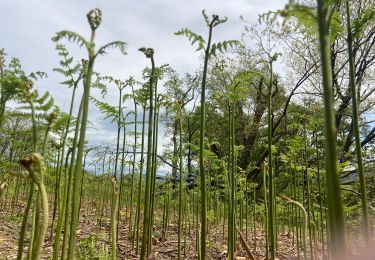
pixel 113 45
pixel 66 62
pixel 69 71
pixel 110 111
pixel 99 85
pixel 68 82
pixel 305 15
pixel 128 96
pixel 219 21
pixel 20 114
pixel 223 46
pixel 193 37
pixel 61 50
pixel 205 16
pixel 131 81
pixel 107 78
pixel 38 75
pixel 61 71
pixel 61 121
pixel 365 18
pixel 70 36
pixel 148 52
pixel 43 98
pixel 336 25
pixel 47 106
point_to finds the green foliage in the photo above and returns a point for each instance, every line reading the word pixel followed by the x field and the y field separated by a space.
pixel 99 84
pixel 71 37
pixel 13 218
pixel 113 45
pixel 362 22
pixel 223 46
pixel 11 85
pixel 92 247
pixel 61 122
pixel 111 112
pixel 337 27
pixel 210 215
pixel 42 105
pixel 305 15
pixel 193 38
pixel 67 67
pixel 14 81
pixel 2 58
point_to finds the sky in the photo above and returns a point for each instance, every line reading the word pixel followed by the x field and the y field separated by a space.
pixel 27 27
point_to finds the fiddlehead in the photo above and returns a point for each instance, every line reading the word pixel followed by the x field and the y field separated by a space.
pixel 94 18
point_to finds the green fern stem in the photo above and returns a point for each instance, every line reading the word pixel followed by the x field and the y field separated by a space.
pixel 146 218
pixel 358 146
pixel 180 195
pixel 335 210
pixel 202 172
pixel 78 164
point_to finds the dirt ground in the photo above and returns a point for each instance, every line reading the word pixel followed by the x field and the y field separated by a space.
pixel 93 242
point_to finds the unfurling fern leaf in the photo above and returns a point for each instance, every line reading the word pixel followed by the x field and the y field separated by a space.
pixel 111 112
pixel 43 98
pixel 74 73
pixel 68 82
pixel 99 85
pixel 46 106
pixel 68 71
pixel 205 16
pixel 113 45
pixel 193 37
pixel 72 37
pixel 305 15
pixel 67 61
pixel 94 18
pixel 61 50
pixel 38 75
pixel 223 46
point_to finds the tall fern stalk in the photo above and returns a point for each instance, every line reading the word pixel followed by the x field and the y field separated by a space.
pixel 358 147
pixel 94 19
pixel 208 52
pixel 61 203
pixel 335 209
pixel 67 202
pixel 231 182
pixel 115 189
pixel 133 165
pixel 202 172
pixel 29 99
pixel 114 208
pixel 271 219
pixel 138 212
pixel 153 164
pixel 146 219
pixel 34 165
pixel 180 195
pixel 24 221
pixel 304 228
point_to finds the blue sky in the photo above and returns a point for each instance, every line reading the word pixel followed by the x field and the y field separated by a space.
pixel 28 26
